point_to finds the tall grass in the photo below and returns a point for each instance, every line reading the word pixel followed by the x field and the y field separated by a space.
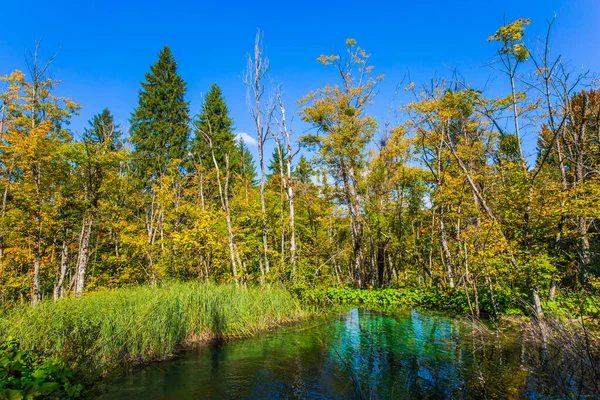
pixel 108 329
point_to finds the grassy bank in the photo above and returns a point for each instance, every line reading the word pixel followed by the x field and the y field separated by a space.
pixel 103 331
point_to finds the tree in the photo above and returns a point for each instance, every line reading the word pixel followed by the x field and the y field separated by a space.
pixel 97 160
pixel 283 146
pixel 159 133
pixel 214 117
pixel 33 138
pixel 339 113
pixel 257 67
pixel 159 125
pixel 223 183
pixel 277 161
pixel 247 167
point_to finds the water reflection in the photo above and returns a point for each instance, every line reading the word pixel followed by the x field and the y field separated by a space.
pixel 358 354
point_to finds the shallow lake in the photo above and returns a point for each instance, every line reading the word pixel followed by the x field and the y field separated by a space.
pixel 354 354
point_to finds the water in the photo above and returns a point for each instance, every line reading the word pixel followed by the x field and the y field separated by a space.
pixel 356 354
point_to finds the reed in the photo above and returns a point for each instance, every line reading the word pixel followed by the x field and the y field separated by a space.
pixel 113 328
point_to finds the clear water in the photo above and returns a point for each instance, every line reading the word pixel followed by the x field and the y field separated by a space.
pixel 356 354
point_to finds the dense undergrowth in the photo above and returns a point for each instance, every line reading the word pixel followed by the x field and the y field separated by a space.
pixel 104 332
pixel 26 376
pixel 507 303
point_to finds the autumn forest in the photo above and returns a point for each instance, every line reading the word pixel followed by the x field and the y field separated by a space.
pixel 446 200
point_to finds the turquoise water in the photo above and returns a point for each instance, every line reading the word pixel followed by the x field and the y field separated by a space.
pixel 356 354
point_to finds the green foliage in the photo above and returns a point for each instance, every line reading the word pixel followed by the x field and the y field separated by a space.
pixel 159 125
pixel 24 376
pixel 103 131
pixel 507 302
pixel 539 270
pixel 399 297
pixel 509 146
pixel 214 121
pixel 247 167
pixel 571 304
pixel 277 161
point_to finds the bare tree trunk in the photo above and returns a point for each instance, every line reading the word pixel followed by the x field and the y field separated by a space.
pixel 35 295
pixel 561 222
pixel 257 68
pixel 225 201
pixel 64 259
pixel 82 255
pixel 287 182
pixel 7 179
pixel 37 252
pixel 281 215
pixel 245 175
pixel 202 189
pixel 152 215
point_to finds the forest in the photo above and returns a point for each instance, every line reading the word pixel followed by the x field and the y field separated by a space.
pixel 441 203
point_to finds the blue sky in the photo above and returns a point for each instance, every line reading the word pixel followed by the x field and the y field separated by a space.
pixel 107 46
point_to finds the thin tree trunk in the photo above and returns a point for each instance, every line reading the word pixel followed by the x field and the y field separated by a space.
pixel 288 186
pixel 355 225
pixel 256 69
pixel 447 255
pixel 82 255
pixel 64 258
pixel 582 226
pixel 35 295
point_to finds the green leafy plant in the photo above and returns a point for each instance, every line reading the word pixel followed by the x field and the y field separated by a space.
pixel 25 376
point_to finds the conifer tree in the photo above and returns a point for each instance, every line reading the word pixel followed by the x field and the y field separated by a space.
pixel 214 120
pixel 103 130
pixel 277 161
pixel 247 167
pixel 159 125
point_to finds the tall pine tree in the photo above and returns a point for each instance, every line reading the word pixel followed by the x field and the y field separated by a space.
pixel 214 120
pixel 159 125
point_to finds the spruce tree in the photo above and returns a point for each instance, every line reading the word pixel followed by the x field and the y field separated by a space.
pixel 247 167
pixel 159 125
pixel 103 130
pixel 277 162
pixel 214 120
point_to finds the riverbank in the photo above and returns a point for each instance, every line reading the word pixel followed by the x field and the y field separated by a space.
pixel 361 353
pixel 105 332
pixel 504 304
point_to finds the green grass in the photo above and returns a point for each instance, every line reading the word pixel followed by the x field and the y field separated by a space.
pixel 114 328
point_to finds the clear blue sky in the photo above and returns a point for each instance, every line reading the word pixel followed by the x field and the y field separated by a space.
pixel 107 46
